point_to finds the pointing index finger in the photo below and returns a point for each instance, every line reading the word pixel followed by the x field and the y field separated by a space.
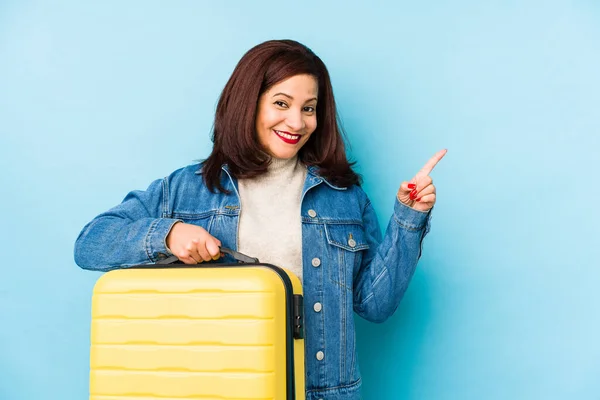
pixel 426 170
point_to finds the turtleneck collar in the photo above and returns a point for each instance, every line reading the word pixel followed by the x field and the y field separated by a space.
pixel 278 165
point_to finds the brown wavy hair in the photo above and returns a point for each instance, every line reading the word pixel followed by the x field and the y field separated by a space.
pixel 234 134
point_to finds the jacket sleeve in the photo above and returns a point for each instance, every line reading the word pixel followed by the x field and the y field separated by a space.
pixel 131 233
pixel 389 264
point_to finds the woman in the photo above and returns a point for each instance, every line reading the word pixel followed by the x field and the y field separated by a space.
pixel 277 186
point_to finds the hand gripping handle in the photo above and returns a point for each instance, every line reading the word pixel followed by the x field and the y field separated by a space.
pixel 241 258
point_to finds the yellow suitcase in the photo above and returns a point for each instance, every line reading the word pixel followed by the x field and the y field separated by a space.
pixel 210 332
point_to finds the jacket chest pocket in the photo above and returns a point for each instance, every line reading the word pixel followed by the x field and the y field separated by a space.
pixel 204 220
pixel 345 246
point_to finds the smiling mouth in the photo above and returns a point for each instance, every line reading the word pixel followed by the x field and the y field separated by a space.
pixel 288 137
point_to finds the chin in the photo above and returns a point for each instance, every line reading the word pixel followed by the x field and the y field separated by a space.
pixel 283 153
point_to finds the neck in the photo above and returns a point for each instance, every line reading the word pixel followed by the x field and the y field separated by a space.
pixel 279 164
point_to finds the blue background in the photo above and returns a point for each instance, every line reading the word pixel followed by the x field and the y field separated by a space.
pixel 100 99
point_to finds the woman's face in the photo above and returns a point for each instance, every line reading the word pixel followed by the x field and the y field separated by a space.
pixel 287 115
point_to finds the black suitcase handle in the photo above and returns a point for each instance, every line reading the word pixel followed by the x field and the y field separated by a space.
pixel 241 258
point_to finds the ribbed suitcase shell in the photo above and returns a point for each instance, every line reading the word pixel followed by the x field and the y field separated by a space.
pixel 209 333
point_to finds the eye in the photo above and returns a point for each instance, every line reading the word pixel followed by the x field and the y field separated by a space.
pixel 309 109
pixel 280 103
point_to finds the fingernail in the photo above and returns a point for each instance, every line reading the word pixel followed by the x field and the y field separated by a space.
pixel 412 186
pixel 419 199
pixel 413 195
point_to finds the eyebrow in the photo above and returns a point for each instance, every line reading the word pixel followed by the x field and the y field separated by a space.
pixel 291 98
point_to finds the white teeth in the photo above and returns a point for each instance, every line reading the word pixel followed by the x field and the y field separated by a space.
pixel 287 136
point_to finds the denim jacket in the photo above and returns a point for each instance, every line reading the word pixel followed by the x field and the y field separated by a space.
pixel 347 265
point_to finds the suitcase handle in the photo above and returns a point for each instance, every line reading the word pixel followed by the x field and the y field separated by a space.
pixel 241 258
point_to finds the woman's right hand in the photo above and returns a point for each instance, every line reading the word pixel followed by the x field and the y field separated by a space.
pixel 192 244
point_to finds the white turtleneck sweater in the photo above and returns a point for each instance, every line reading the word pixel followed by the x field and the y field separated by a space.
pixel 270 227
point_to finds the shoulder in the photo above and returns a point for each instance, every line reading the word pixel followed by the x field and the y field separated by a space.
pixel 187 193
pixel 185 175
pixel 340 204
pixel 359 197
pixel 185 180
pixel 353 193
pixel 358 193
pixel 187 172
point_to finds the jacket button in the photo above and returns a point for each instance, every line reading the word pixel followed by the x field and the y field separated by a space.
pixel 312 213
pixel 320 355
pixel 352 243
pixel 316 262
pixel 318 307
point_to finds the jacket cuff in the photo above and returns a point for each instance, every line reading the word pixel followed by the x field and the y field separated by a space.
pixel 156 239
pixel 411 219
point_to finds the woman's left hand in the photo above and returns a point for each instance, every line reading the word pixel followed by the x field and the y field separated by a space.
pixel 419 193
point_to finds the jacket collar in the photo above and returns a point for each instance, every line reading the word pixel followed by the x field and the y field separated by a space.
pixel 312 174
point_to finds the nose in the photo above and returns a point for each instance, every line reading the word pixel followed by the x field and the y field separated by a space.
pixel 295 121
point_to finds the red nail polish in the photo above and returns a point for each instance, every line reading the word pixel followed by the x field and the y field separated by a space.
pixel 413 195
pixel 419 199
pixel 412 186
